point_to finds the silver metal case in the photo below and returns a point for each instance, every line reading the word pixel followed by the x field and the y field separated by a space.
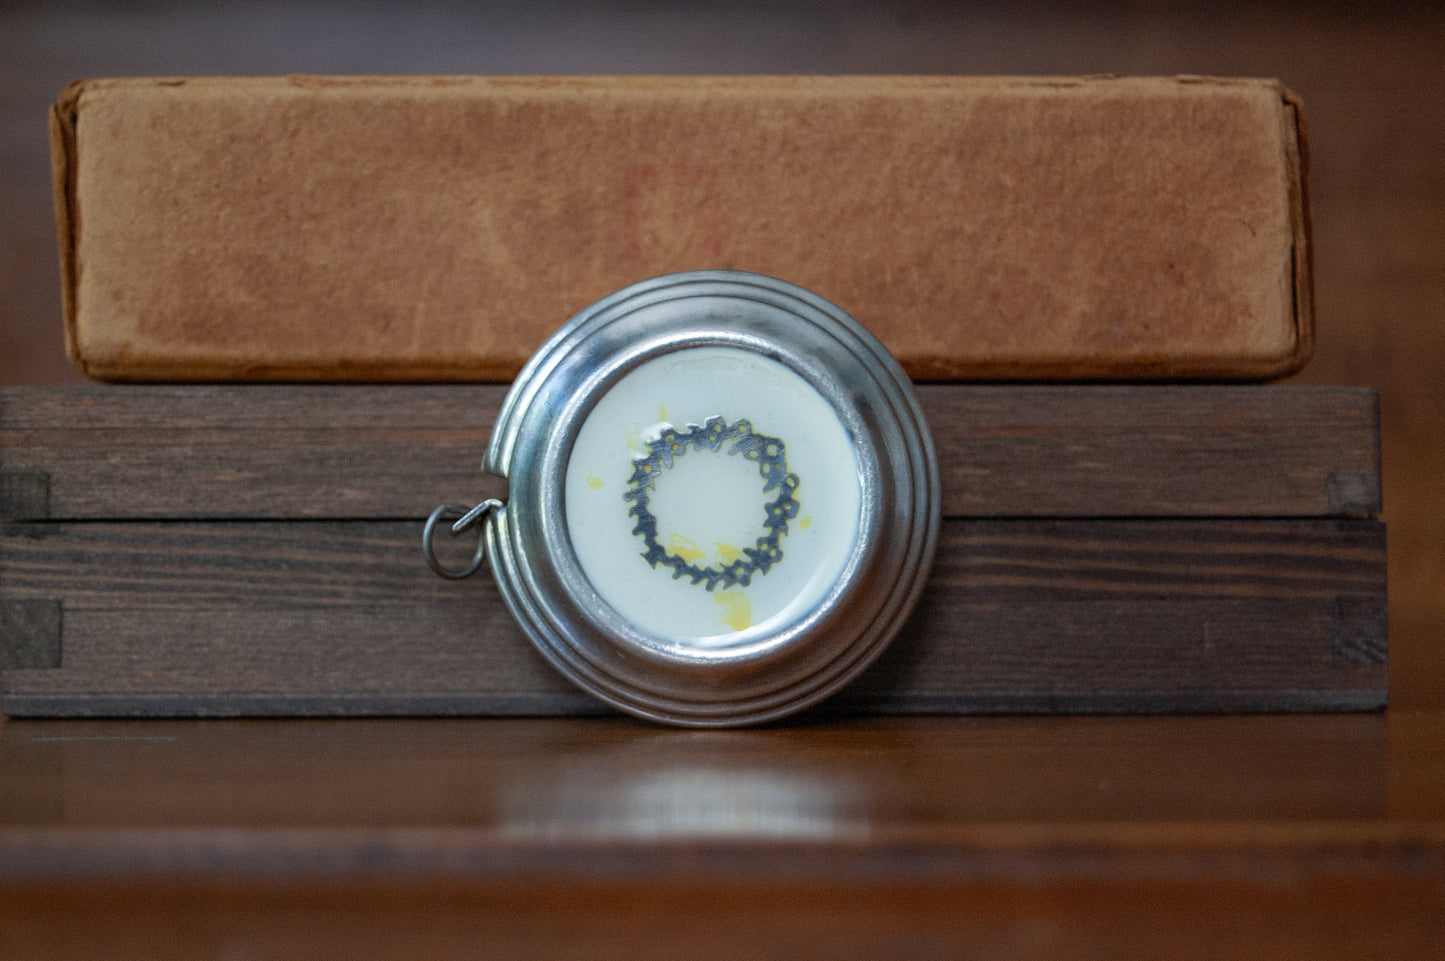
pixel 767 673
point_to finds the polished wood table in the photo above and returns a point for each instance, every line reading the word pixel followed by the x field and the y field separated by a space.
pixel 1013 837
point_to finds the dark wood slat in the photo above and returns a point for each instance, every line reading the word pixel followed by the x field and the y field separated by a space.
pixel 1154 451
pixel 244 452
pixel 1021 615
pixel 369 563
pixel 384 452
pixel 207 407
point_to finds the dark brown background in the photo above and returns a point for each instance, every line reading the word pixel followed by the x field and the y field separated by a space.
pixel 1373 81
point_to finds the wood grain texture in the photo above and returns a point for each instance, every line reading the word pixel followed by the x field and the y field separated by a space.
pixel 1019 615
pixel 421 919
pixel 396 452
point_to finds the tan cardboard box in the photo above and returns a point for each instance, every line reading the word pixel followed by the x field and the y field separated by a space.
pixel 441 228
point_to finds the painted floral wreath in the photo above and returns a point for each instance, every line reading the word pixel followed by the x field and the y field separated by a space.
pixel 770 455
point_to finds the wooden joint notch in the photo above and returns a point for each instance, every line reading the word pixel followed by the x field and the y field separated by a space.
pixel 1353 493
pixel 30 634
pixel 25 495
pixel 1360 630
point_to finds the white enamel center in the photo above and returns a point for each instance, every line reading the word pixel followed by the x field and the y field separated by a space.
pixel 710 506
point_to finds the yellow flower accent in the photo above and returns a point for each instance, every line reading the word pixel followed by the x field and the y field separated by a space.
pixel 737 610
pixel 684 547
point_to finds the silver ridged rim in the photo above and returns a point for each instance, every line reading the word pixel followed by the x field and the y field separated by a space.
pixel 804 660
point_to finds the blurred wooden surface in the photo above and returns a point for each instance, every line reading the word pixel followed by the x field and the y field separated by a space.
pixel 1120 838
pixel 1372 78
pixel 1001 838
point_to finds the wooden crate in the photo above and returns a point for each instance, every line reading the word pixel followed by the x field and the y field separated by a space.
pixel 256 550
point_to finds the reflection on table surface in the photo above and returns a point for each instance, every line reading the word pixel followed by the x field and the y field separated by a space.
pixel 615 778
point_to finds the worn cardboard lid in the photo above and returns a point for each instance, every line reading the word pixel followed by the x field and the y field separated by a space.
pixel 404 229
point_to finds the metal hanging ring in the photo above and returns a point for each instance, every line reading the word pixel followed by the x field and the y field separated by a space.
pixel 466 518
